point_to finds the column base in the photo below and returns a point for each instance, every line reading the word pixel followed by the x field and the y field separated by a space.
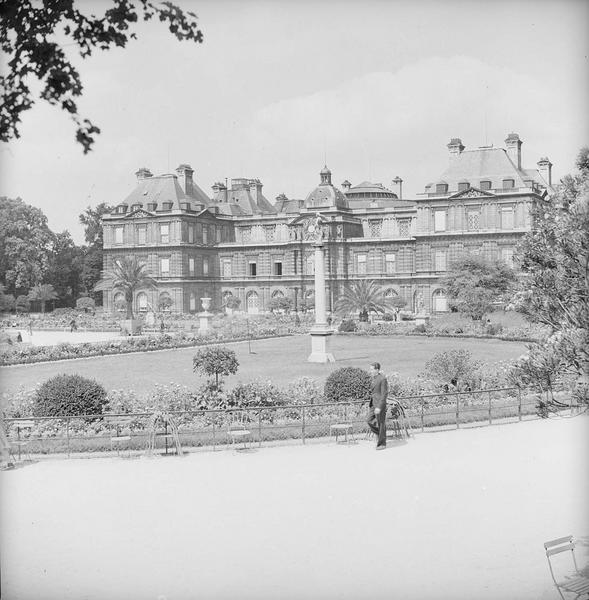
pixel 320 345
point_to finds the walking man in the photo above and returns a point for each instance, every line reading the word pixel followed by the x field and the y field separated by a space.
pixel 377 410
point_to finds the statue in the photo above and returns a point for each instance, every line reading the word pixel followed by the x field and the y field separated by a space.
pixel 315 229
pixel 420 304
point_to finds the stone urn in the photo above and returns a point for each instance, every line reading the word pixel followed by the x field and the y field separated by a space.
pixel 206 304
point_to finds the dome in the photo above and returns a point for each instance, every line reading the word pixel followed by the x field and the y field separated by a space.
pixel 326 195
pixel 367 194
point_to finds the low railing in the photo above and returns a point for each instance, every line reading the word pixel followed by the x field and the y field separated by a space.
pixel 208 429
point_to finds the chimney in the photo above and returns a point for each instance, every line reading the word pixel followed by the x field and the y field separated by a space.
pixel 143 173
pixel 346 185
pixel 185 178
pixel 398 181
pixel 545 168
pixel 219 192
pixel 514 149
pixel 255 189
pixel 455 146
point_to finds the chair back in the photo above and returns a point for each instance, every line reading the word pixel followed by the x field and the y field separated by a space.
pixel 557 546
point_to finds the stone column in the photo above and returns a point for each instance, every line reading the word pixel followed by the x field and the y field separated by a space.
pixel 320 332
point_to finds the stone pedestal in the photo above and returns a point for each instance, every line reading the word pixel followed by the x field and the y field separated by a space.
pixel 320 332
pixel 205 317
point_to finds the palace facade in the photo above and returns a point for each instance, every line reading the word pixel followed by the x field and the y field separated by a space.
pixel 237 242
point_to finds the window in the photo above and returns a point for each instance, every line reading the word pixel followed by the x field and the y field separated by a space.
pixel 508 184
pixel 375 226
pixel 278 268
pixel 485 185
pixel 507 217
pixel 191 266
pixel 507 256
pixel 440 260
pixel 473 220
pixel 270 231
pixel 192 302
pixel 119 302
pixel 141 234
pixel 463 186
pixel 253 302
pixel 440 301
pixel 253 269
pixel 164 266
pixel 198 232
pixel 119 234
pixel 390 263
pixel 205 265
pixel 441 188
pixel 226 267
pixel 311 264
pixel 404 227
pixel 246 234
pixel 296 261
pixel 217 234
pixel 142 301
pixel 361 258
pixel 205 234
pixel 164 233
pixel 191 234
pixel 440 220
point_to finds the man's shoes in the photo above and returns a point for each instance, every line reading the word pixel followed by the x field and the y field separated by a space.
pixel 383 447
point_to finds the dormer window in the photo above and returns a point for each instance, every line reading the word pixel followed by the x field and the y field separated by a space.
pixel 463 186
pixel 121 209
pixel 485 185
pixel 166 205
pixel 508 184
pixel 441 188
pixel 151 206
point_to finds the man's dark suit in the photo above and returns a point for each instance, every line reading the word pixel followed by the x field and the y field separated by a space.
pixel 379 392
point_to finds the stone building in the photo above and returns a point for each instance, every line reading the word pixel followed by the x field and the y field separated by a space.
pixel 237 242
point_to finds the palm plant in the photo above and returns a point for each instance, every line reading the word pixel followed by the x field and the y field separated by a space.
pixel 364 296
pixel 127 275
pixel 44 292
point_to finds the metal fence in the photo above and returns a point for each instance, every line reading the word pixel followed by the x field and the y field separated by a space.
pixel 212 429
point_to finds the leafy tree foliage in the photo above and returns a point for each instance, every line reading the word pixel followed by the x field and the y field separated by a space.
pixel 473 284
pixel 215 360
pixel 280 303
pixel 452 370
pixel 33 36
pixel 7 301
pixel 128 276
pixel 22 303
pixel 231 302
pixel 363 296
pixel 86 304
pixel 554 256
pixel 25 245
pixel 43 293
pixel 91 219
pixel 69 395
pixel 65 268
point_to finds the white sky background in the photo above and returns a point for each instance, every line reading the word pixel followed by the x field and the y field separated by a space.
pixel 378 87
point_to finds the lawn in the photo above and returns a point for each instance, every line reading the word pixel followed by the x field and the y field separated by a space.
pixel 450 515
pixel 279 359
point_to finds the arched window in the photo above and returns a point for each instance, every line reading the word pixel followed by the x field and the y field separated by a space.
pixel 440 301
pixel 142 302
pixel 192 302
pixel 119 302
pixel 390 293
pixel 165 302
pixel 277 294
pixel 253 303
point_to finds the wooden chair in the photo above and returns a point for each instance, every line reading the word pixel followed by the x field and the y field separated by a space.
pixel 238 430
pixel 575 583
pixel 19 447
pixel 342 426
pixel 398 423
pixel 117 439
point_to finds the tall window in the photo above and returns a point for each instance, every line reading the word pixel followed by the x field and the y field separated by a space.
pixel 226 267
pixel 191 234
pixel 205 234
pixel 375 226
pixel 390 263
pixel 361 258
pixel 473 220
pixel 404 227
pixel 507 256
pixel 440 220
pixel 252 268
pixel 205 265
pixel 311 264
pixel 440 301
pixel 253 302
pixel 191 266
pixel 507 217
pixel 119 234
pixel 141 234
pixel 440 260
pixel 192 301
pixel 278 268
pixel 142 301
pixel 164 266
pixel 164 233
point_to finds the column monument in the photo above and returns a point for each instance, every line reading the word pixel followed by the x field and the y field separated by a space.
pixel 320 332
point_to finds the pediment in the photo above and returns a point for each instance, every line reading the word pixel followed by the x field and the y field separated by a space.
pixel 139 214
pixel 472 192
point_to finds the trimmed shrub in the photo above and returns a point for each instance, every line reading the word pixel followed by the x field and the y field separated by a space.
pixel 454 369
pixel 215 361
pixel 347 326
pixel 69 395
pixel 347 384
pixel 86 304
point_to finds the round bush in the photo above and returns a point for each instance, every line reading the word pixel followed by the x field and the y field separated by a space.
pixel 69 395
pixel 347 325
pixel 347 384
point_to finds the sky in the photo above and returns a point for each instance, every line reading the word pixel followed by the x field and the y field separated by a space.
pixel 374 89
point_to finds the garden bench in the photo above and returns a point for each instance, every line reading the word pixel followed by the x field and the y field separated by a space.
pixel 575 583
